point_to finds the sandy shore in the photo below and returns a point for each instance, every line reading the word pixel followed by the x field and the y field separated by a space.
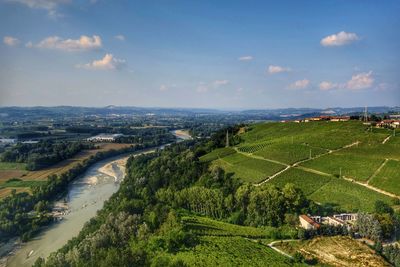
pixel 108 168
pixel 184 134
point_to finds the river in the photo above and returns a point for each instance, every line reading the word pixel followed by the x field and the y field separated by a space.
pixel 84 197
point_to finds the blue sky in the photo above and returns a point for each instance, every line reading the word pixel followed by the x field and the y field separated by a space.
pixel 212 54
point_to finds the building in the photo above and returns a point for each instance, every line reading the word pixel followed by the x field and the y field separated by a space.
pixel 314 222
pixel 388 124
pixel 104 138
pixel 346 217
pixel 308 223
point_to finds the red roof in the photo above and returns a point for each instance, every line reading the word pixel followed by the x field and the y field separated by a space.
pixel 310 221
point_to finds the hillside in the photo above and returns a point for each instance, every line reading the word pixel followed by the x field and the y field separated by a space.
pixel 344 164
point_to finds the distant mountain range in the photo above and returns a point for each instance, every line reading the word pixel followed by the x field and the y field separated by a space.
pixel 7 113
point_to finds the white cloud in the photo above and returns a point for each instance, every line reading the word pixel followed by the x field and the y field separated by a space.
pixel 29 44
pixel 339 39
pixel 325 86
pixel 10 41
pixel 300 84
pixel 108 62
pixel 245 58
pixel 219 83
pixel 120 37
pixel 163 87
pixel 83 43
pixel 272 69
pixel 205 87
pixel 49 5
pixel 361 80
pixel 358 81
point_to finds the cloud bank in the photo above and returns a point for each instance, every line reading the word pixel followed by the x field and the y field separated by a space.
pixel 108 62
pixel 71 45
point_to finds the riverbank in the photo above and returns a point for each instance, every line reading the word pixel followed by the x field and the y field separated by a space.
pixel 82 201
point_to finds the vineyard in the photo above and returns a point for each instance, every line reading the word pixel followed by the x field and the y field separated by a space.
pixel 324 153
pixel 388 178
pixel 224 244
pixel 349 196
pixel 248 169
pixel 306 181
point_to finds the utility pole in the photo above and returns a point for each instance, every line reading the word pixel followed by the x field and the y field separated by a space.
pixel 366 114
pixel 310 153
pixel 227 139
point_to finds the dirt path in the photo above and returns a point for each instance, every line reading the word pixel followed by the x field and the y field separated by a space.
pixel 372 188
pixel 377 170
pixel 271 245
pixel 386 139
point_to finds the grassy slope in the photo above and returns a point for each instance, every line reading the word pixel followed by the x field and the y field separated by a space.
pixel 389 177
pixel 291 142
pixel 307 182
pixel 248 169
pixel 348 195
pixel 224 244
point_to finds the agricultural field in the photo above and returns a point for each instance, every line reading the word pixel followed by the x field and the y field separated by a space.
pixel 217 153
pixel 356 166
pixel 232 251
pixel 327 135
pixel 306 181
pixel 351 148
pixel 348 196
pixel 248 169
pixel 224 244
pixel 30 178
pixel 335 251
pixel 388 178
pixel 289 153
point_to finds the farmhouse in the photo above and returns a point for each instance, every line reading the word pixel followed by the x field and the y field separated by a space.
pixel 104 138
pixel 308 223
pixel 388 124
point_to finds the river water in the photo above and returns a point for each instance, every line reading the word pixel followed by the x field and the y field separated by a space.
pixel 85 196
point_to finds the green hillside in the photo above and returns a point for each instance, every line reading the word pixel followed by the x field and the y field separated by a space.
pixel 339 163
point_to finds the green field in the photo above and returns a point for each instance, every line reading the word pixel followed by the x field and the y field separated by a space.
pixel 306 181
pixel 388 177
pixel 248 169
pixel 224 244
pixel 349 196
pixel 232 251
pixel 217 153
pixel 354 165
pixel 20 183
pixel 12 166
pixel 289 153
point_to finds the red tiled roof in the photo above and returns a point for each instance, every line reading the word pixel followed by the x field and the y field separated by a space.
pixel 310 221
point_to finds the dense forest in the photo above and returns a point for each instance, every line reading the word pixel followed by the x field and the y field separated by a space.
pixel 44 153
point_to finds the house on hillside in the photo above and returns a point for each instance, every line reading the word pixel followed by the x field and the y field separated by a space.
pixel 307 223
pixel 314 222
pixel 388 124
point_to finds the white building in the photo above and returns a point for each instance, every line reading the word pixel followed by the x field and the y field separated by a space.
pixel 104 138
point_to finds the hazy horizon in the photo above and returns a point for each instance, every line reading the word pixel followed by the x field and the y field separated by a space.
pixel 216 55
